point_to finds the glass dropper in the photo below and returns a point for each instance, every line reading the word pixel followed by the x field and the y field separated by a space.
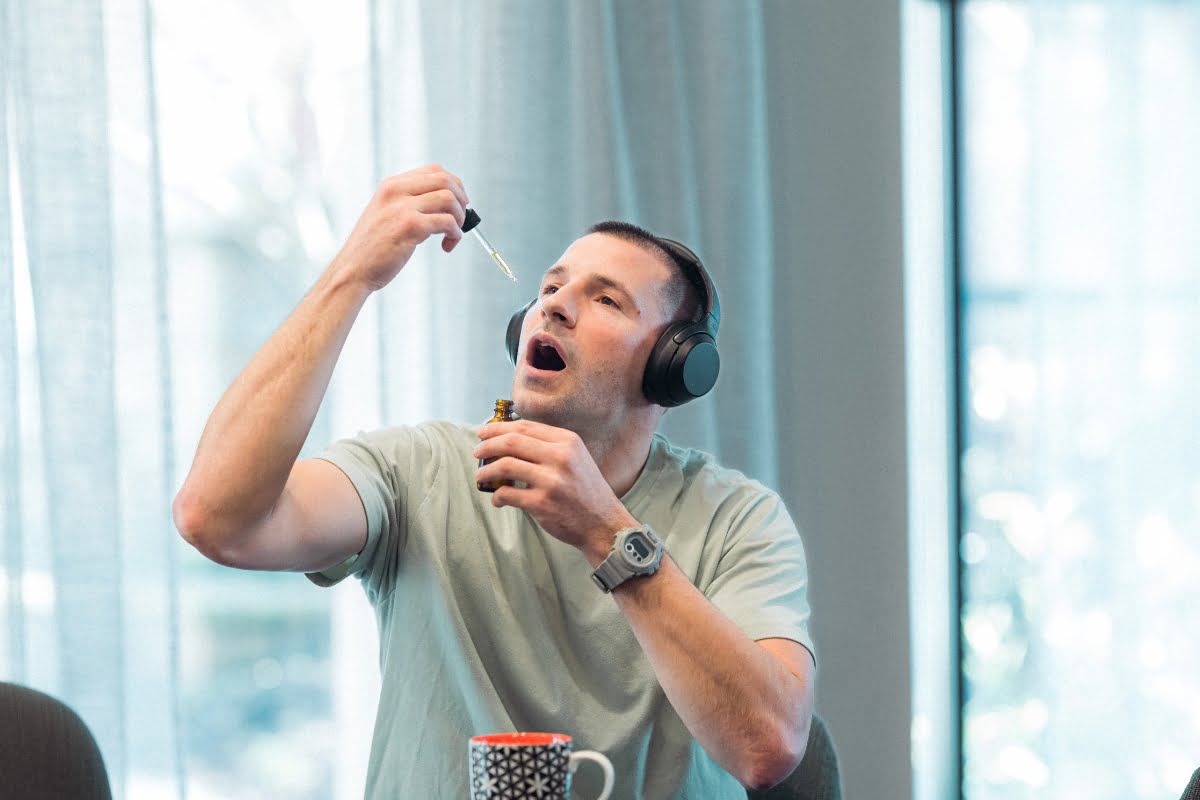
pixel 472 224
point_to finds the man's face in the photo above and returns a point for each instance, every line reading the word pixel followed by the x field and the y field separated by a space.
pixel 585 343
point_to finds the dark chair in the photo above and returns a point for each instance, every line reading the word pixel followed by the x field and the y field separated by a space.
pixel 46 750
pixel 1192 792
pixel 817 777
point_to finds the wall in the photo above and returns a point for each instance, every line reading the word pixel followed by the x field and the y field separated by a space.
pixel 835 137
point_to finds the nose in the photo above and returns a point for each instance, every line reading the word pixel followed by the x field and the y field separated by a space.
pixel 560 305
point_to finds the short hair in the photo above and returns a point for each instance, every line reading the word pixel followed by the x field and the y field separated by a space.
pixel 683 297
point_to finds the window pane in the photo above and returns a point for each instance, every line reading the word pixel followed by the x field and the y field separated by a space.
pixel 1080 472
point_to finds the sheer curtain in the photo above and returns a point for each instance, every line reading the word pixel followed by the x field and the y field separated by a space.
pixel 563 117
pixel 174 177
pixel 88 565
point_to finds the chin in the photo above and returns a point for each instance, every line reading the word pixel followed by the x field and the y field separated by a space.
pixel 539 409
pixel 562 410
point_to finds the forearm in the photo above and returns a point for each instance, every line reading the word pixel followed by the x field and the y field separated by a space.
pixel 747 710
pixel 256 430
pixel 747 703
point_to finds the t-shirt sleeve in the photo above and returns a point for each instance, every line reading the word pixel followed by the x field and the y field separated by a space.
pixel 761 582
pixel 388 468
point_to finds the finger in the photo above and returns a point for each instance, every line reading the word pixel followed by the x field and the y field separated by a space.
pixel 429 179
pixel 444 224
pixel 517 497
pixel 527 498
pixel 517 445
pixel 538 430
pixel 434 168
pixel 441 201
pixel 511 496
pixel 511 469
pixel 422 226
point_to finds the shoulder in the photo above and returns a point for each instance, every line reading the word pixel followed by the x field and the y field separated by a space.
pixel 690 489
pixel 403 454
pixel 697 471
pixel 431 435
pixel 717 518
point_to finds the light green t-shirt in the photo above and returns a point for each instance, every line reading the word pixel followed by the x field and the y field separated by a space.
pixel 489 624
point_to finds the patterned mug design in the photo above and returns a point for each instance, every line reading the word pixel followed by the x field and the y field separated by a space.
pixel 529 766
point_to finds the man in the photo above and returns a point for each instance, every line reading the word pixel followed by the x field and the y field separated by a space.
pixel 696 678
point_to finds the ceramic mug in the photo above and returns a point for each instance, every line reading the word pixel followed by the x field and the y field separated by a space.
pixel 529 766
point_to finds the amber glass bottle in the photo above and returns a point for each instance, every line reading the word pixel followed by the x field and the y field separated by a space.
pixel 503 414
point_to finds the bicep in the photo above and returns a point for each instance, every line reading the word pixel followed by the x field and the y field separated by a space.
pixel 318 521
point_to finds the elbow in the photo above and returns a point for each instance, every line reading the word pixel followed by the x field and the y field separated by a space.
pixel 774 758
pixel 189 517
pixel 198 527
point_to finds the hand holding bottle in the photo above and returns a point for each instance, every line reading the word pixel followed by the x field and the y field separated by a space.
pixel 552 476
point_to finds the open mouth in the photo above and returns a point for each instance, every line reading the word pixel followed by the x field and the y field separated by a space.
pixel 545 356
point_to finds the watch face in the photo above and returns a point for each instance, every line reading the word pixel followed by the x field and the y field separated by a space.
pixel 638 550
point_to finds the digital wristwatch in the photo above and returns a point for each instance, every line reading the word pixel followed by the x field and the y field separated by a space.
pixel 636 552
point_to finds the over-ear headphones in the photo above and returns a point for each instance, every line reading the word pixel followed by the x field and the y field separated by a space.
pixel 684 362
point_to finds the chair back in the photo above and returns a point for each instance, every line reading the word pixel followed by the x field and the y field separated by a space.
pixel 817 777
pixel 1192 792
pixel 46 750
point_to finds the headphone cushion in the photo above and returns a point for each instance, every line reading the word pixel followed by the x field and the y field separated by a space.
pixel 683 365
pixel 700 368
pixel 512 337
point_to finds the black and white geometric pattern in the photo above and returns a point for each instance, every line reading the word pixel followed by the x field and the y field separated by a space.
pixel 520 772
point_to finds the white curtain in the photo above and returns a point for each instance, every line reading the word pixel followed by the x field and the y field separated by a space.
pixel 88 561
pixel 178 176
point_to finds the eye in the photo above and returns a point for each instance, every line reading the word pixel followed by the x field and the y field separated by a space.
pixel 549 289
pixel 608 301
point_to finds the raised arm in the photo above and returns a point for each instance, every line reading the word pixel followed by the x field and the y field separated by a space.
pixel 246 501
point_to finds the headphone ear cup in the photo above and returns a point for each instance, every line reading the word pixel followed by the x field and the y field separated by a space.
pixel 683 365
pixel 512 336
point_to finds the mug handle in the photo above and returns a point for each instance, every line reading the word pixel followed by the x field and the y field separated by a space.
pixel 599 758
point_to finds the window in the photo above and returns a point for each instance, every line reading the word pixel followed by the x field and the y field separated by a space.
pixel 1079 294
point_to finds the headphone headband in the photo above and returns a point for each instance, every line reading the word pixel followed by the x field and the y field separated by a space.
pixel 689 263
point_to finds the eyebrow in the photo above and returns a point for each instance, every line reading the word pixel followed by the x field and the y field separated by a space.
pixel 602 280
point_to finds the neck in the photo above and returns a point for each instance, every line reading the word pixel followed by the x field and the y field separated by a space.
pixel 621 454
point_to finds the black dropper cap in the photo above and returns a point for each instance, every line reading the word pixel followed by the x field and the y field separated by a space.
pixel 471 221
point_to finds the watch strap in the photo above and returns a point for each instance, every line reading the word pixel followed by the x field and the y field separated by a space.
pixel 608 575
